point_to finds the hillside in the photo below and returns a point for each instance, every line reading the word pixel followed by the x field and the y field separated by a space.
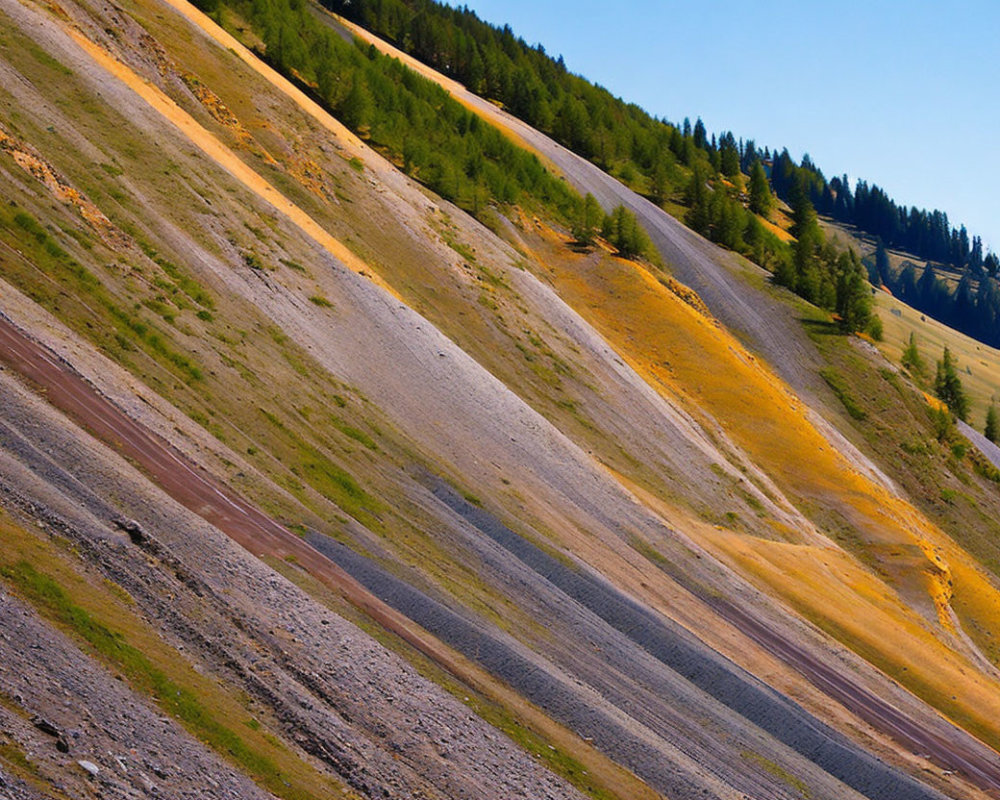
pixel 314 485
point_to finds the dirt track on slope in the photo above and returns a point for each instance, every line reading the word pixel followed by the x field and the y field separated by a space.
pixel 256 532
pixel 191 486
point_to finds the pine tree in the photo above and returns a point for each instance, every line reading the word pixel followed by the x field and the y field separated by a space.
pixel 761 199
pixel 853 297
pixel 696 195
pixel 589 220
pixel 912 359
pixel 354 110
pixel 882 262
pixel 992 430
pixel 948 386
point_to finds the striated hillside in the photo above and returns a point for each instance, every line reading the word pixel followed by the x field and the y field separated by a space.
pixel 313 486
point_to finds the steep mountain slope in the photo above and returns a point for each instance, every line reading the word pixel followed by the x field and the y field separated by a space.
pixel 732 290
pixel 549 481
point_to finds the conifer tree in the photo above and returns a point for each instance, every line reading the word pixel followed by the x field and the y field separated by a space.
pixel 912 359
pixel 853 297
pixel 355 108
pixel 948 386
pixel 882 262
pixel 589 221
pixel 992 430
pixel 761 199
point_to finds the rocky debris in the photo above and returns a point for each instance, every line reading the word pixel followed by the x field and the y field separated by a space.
pixel 31 161
pixel 68 691
pixel 45 726
pixel 62 744
pixel 90 768
pixel 322 684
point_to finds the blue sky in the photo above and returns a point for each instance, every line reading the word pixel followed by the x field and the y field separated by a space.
pixel 903 94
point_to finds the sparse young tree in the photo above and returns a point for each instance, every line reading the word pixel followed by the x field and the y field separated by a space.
pixel 761 199
pixel 912 359
pixel 853 296
pixel 992 430
pixel 948 386
pixel 623 231
pixel 588 223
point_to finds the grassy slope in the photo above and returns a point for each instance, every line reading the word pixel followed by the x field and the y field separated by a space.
pixel 705 365
pixel 979 364
pixel 894 568
pixel 899 546
pixel 301 446
pixel 99 617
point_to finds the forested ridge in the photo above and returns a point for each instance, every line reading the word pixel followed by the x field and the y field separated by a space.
pixel 684 164
pixel 723 187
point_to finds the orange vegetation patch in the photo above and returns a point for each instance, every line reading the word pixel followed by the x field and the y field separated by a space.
pixel 777 230
pixel 224 157
pixel 897 615
pixel 30 161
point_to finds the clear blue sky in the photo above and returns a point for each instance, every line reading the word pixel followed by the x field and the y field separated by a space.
pixel 903 94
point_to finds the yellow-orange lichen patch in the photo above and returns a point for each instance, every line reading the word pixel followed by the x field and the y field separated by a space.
pixel 31 162
pixel 891 596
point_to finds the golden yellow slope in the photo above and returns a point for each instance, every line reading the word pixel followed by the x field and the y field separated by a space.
pixel 897 615
pixel 220 154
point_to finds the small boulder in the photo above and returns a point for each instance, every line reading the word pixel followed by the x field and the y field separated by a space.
pixel 90 767
pixel 45 726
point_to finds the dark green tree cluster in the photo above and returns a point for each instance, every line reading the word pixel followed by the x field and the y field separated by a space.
pixel 589 220
pixel 948 386
pixel 665 161
pixel 656 157
pixel 926 234
pixel 411 119
pixel 992 429
pixel 971 306
pixel 650 154
pixel 825 275
pixel 620 229
pixel 625 234
pixel 715 213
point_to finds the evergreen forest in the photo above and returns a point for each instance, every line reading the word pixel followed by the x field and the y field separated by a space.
pixel 723 187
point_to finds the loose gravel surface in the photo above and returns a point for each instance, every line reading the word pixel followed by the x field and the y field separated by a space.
pixel 256 532
pixel 342 699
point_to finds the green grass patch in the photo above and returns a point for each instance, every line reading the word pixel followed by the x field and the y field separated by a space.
pixel 838 384
pixel 292 264
pixel 777 771
pixel 116 330
pixel 647 551
pixel 351 432
pixel 472 499
pixel 330 480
